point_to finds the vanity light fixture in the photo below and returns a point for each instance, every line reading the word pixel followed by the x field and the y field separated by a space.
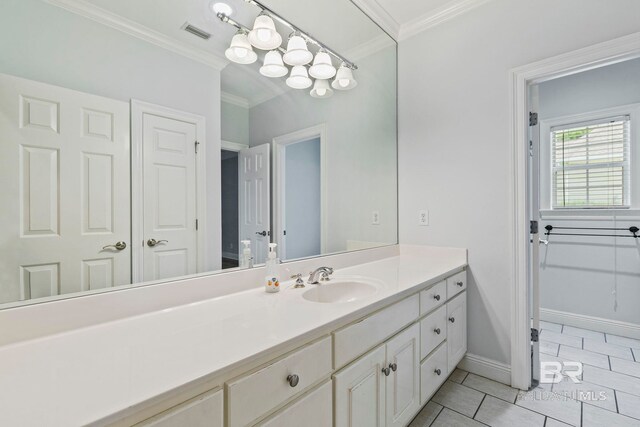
pixel 297 51
pixel 264 35
pixel 240 50
pixel 299 79
pixel 321 89
pixel 344 79
pixel 273 66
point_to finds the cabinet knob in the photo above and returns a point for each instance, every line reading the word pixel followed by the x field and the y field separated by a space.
pixel 452 319
pixel 293 380
pixel 393 366
pixel 386 371
pixel 437 372
pixel 437 331
pixel 460 284
pixel 436 297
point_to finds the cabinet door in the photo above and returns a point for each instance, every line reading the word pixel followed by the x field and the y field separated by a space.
pixel 403 382
pixel 202 411
pixel 359 391
pixel 456 329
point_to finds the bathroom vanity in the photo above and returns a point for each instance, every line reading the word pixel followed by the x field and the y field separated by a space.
pixel 368 347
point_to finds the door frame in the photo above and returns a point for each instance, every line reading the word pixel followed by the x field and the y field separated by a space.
pixel 520 79
pixel 138 110
pixel 279 143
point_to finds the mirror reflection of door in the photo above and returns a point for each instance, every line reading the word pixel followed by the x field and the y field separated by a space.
pixel 254 199
pixel 301 199
pixel 65 163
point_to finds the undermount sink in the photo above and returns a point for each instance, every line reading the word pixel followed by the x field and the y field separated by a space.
pixel 341 290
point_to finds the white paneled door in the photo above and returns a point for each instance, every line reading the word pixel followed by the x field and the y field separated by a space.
pixel 254 201
pixel 64 179
pixel 170 212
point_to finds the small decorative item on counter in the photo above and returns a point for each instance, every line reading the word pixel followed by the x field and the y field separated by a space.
pixel 272 283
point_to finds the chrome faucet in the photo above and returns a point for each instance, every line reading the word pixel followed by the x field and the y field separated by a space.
pixel 320 275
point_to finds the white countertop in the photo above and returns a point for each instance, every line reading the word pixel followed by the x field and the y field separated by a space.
pixel 83 375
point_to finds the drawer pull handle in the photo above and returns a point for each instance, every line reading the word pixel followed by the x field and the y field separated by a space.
pixel 293 380
pixel 452 319
pixel 437 372
pixel 460 284
pixel 386 371
pixel 437 331
pixel 436 297
pixel 393 366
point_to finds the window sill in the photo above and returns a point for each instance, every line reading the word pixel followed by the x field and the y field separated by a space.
pixel 590 214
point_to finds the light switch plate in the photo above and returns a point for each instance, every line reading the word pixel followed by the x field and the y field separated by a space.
pixel 423 217
pixel 375 218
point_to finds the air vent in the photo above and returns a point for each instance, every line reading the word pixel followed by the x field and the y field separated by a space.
pixel 196 31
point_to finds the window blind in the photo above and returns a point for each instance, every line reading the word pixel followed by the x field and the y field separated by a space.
pixel 590 164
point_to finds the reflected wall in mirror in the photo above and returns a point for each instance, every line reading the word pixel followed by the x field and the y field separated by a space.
pixel 133 151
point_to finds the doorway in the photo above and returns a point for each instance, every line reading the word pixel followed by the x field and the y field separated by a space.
pixel 299 193
pixel 530 233
pixel 229 206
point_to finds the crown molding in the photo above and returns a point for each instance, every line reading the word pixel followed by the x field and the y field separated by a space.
pixel 117 22
pixel 236 100
pixel 437 17
pixel 380 16
pixel 368 48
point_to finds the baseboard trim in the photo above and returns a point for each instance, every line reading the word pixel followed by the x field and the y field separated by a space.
pixel 597 324
pixel 487 368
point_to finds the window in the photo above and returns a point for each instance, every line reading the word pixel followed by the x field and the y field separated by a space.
pixel 590 164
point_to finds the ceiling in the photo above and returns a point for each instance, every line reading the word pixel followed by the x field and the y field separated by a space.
pixel 337 23
pixel 404 18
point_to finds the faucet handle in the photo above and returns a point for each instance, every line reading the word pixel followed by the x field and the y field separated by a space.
pixel 299 281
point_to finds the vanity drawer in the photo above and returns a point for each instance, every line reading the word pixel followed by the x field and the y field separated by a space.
pixel 314 409
pixel 429 378
pixel 252 396
pixel 203 410
pixel 433 297
pixel 433 330
pixel 456 284
pixel 354 340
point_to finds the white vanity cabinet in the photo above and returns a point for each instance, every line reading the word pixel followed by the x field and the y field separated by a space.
pixel 456 329
pixel 382 387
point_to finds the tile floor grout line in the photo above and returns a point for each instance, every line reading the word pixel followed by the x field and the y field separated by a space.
pixel 581 413
pixel 615 398
pixel 478 408
pixel 609 360
pixel 459 413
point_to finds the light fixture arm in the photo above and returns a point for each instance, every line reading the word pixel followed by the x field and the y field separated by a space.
pixel 305 35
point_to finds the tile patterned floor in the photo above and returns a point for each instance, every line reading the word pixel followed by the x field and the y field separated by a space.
pixel 609 394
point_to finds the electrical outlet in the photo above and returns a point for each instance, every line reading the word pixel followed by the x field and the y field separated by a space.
pixel 375 218
pixel 423 217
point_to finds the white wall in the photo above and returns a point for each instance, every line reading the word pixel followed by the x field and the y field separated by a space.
pixel 454 134
pixel 579 274
pixel 235 123
pixel 42 42
pixel 361 148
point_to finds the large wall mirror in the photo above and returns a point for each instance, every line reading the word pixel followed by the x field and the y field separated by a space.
pixel 143 141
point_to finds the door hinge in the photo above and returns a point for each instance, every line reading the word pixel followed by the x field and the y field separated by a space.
pixel 533 227
pixel 284 232
pixel 196 225
pixel 533 119
pixel 196 145
pixel 535 335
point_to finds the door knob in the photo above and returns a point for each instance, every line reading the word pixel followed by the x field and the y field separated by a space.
pixel 263 233
pixel 393 366
pixel 461 284
pixel 452 319
pixel 437 371
pixel 386 371
pixel 293 380
pixel 153 242
pixel 436 297
pixel 119 246
pixel 437 331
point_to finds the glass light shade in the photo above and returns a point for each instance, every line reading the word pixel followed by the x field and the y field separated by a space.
pixel 297 52
pixel 299 79
pixel 240 50
pixel 264 35
pixel 273 66
pixel 321 89
pixel 322 67
pixel 344 79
